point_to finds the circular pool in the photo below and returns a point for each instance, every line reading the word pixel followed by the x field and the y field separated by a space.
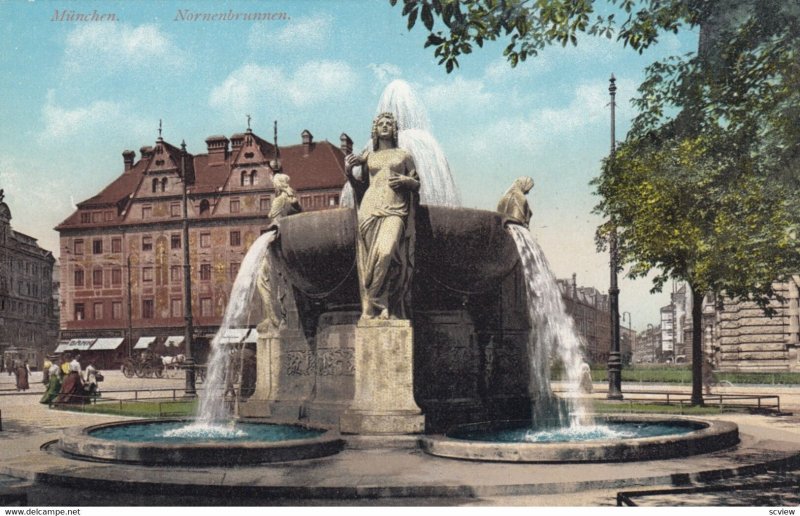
pixel 182 442
pixel 611 439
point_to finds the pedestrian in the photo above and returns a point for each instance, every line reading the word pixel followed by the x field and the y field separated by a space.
pixel 91 380
pixel 46 372
pixel 54 385
pixel 22 372
pixel 72 388
pixel 709 377
pixel 65 360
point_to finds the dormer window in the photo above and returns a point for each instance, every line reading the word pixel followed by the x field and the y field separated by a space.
pixel 204 207
pixel 249 155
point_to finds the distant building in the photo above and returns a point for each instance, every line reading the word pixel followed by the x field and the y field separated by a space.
pixel 648 345
pixel 27 322
pixel 591 312
pixel 126 241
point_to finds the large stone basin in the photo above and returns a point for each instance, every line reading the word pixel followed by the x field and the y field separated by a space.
pixel 461 249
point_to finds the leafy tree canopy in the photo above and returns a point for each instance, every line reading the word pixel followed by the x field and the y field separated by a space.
pixel 531 25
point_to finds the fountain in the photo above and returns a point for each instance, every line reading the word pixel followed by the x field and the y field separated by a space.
pixel 449 333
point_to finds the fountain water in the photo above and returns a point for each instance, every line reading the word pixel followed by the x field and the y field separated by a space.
pixel 436 179
pixel 212 417
pixel 553 332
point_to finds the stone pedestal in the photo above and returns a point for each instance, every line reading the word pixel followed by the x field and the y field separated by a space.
pixel 383 402
pixel 285 369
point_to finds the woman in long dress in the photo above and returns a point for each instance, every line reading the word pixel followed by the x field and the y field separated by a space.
pixel 386 196
pixel 72 388
pixel 53 385
pixel 22 373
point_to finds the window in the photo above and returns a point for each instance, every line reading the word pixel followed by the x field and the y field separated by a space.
pixel 78 278
pixel 77 246
pixel 97 311
pixel 147 212
pixel 147 243
pixel 80 312
pixel 175 273
pixel 107 216
pixel 236 238
pixel 97 247
pixel 175 241
pixel 148 310
pixel 265 204
pixel 319 201
pixel 305 201
pixel 204 207
pixel 155 185
pixel 175 209
pixel 176 307
pixel 116 276
pixel 163 184
pixel 86 218
pixel 205 307
pixel 97 278
pixel 97 216
pixel 234 270
pixel 243 179
pixel 116 309
pixel 333 200
pixel 116 245
pixel 235 206
pixel 253 177
pixel 205 272
pixel 205 239
pixel 147 274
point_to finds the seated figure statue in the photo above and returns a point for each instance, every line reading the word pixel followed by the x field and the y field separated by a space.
pixel 271 284
pixel 514 205
pixel 386 196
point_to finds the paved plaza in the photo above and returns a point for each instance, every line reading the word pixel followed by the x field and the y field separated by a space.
pixel 398 476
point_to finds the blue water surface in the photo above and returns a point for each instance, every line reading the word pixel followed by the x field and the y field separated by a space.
pixel 179 432
pixel 600 432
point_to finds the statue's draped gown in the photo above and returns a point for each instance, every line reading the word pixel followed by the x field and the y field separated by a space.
pixel 385 237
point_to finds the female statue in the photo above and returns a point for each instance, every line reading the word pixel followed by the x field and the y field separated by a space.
pixel 270 281
pixel 386 196
pixel 514 205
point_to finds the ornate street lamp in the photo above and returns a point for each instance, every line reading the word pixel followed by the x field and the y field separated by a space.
pixel 614 359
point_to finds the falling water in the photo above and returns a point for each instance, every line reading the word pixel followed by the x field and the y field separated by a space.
pixel 436 180
pixel 212 411
pixel 552 330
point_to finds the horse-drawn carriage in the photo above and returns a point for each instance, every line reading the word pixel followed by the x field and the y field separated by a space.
pixel 145 365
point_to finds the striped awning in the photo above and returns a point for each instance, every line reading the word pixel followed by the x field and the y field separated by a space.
pixel 107 343
pixel 75 344
pixel 232 335
pixel 144 342
pixel 174 341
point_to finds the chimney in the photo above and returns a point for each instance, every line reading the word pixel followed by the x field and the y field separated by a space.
pixel 217 149
pixel 345 144
pixel 146 151
pixel 308 139
pixel 236 141
pixel 127 157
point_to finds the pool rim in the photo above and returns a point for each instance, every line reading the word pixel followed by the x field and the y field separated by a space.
pixel 714 435
pixel 78 442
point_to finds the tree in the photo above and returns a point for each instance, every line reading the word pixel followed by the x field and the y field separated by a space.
pixel 709 194
pixel 532 25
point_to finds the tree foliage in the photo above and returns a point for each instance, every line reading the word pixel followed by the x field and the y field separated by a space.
pixel 531 25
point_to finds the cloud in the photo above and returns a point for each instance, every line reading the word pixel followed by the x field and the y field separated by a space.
pixel 459 94
pixel 300 33
pixel 98 117
pixel 312 83
pixel 385 72
pixel 113 47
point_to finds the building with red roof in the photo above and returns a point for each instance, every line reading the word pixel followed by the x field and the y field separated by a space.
pixel 126 241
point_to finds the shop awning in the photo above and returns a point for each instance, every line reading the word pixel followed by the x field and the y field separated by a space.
pixel 174 341
pixel 252 337
pixel 75 344
pixel 233 336
pixel 144 342
pixel 107 343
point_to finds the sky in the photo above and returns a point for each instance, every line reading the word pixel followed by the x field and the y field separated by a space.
pixel 78 93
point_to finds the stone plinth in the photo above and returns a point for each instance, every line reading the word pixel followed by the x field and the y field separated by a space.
pixel 285 367
pixel 383 402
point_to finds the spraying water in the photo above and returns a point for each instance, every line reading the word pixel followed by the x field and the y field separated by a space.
pixel 436 180
pixel 552 330
pixel 212 412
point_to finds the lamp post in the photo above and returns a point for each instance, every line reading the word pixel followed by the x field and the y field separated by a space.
pixel 614 361
pixel 190 390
